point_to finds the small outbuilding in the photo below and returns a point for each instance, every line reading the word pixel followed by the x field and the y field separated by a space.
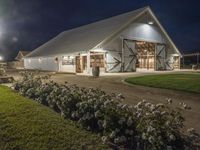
pixel 125 43
pixel 18 63
pixel 21 54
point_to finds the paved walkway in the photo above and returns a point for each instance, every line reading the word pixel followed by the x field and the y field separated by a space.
pixel 112 83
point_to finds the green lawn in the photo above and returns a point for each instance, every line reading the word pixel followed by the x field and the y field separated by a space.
pixel 189 82
pixel 24 124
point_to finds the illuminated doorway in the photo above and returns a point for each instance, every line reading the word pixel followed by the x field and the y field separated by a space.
pixel 145 55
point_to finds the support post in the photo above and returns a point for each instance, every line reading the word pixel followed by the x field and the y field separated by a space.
pixel 183 62
pixel 122 55
pixel 155 58
pixel 88 62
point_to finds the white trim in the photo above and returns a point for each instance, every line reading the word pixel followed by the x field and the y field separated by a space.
pixel 163 30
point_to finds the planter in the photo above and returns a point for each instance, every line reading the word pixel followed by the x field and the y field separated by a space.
pixel 95 71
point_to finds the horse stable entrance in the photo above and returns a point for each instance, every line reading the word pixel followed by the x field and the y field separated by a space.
pixel 145 55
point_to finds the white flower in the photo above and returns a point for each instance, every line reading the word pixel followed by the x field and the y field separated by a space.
pixel 117 130
pixel 159 105
pixel 144 136
pixel 163 112
pixel 104 139
pixel 73 115
pixel 169 148
pixel 172 137
pixel 191 130
pixel 138 105
pixel 144 101
pixel 147 114
pixel 122 120
pixel 150 129
pixel 147 104
pixel 169 101
pixel 129 122
pixel 138 115
pixel 151 139
pixel 157 112
pixel 100 124
pixel 104 124
pixel 88 128
pixel 167 123
pixel 97 114
pixel 113 134
pixel 124 106
pixel 152 107
pixel 106 102
pixel 116 140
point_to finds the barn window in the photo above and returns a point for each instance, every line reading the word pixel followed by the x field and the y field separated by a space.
pixel 67 60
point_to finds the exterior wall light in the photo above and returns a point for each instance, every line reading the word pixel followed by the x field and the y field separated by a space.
pixel 1 58
pixel 98 50
pixel 150 22
pixel 65 57
pixel 56 60
pixel 40 60
pixel 71 57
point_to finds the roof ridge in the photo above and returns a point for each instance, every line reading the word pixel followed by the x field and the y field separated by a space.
pixel 105 19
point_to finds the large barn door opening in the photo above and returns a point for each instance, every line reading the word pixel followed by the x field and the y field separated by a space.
pixel 145 55
pixel 129 56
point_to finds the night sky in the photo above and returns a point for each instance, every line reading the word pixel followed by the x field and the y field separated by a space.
pixel 26 24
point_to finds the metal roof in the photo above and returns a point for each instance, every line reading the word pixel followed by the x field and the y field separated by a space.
pixel 89 36
pixel 85 37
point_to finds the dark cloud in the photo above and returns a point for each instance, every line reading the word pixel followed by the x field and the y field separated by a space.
pixel 26 24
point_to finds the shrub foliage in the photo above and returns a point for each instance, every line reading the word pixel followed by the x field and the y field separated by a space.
pixel 143 126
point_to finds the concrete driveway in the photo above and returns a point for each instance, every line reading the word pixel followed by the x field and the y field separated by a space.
pixel 113 83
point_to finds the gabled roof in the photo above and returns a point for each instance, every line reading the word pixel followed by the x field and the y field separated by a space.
pixel 85 37
pixel 21 54
pixel 89 36
pixel 24 53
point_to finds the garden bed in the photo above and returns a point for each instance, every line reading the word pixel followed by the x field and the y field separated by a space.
pixel 25 124
pixel 143 126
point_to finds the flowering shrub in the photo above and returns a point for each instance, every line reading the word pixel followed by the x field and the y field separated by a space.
pixel 2 70
pixel 143 126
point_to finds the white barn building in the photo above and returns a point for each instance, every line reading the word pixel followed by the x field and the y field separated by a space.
pixel 124 43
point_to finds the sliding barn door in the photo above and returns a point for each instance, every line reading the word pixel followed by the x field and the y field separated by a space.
pixel 160 57
pixel 113 61
pixel 129 56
